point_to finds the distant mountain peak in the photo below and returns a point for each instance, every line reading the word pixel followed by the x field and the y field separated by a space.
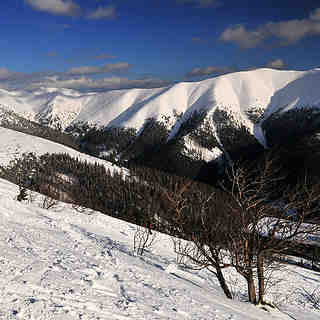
pixel 237 93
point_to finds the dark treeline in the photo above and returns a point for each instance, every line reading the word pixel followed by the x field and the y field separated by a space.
pixel 152 147
pixel 149 148
pixel 11 120
pixel 223 222
pixel 284 127
pixel 292 134
pixel 139 197
pixel 106 143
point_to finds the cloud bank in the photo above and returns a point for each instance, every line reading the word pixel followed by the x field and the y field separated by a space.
pixel 107 68
pixel 285 32
pixel 276 64
pixel 77 79
pixel 113 83
pixel 4 73
pixel 211 70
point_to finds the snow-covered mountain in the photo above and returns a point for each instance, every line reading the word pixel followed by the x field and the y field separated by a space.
pixel 237 93
pixel 62 264
pixel 266 88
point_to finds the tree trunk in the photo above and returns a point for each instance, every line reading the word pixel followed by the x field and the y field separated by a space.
pixel 251 290
pixel 261 279
pixel 223 283
pixel 249 277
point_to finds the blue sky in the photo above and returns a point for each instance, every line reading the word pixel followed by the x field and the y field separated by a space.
pixel 102 45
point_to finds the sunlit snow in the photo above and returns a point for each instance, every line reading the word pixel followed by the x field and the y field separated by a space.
pixel 236 92
pixel 65 264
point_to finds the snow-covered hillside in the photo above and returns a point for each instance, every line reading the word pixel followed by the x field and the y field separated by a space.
pixel 13 144
pixel 67 264
pixel 60 264
pixel 236 92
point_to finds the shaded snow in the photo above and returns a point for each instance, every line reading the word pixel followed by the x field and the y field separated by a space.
pixel 66 264
pixel 13 144
pixel 62 264
pixel 258 133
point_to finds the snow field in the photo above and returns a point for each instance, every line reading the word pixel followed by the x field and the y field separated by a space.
pixel 63 264
pixel 13 144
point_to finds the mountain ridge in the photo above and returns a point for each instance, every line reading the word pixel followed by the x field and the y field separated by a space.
pixel 236 93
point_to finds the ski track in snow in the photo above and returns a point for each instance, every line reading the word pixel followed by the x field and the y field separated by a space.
pixel 62 264
pixel 72 273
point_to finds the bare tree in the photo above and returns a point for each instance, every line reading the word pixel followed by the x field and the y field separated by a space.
pixel 271 219
pixel 199 235
pixel 48 202
pixel 143 239
pixel 250 188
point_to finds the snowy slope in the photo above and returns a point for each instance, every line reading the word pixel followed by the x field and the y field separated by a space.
pixel 13 144
pixel 65 265
pixel 235 92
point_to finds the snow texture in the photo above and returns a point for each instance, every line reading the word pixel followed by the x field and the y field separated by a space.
pixel 13 144
pixel 63 264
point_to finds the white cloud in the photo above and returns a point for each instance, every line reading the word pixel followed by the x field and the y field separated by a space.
pixel 32 81
pixel 242 37
pixel 287 32
pixel 201 3
pixel 57 7
pixel 211 70
pixel 107 68
pixel 18 80
pixel 276 64
pixel 103 13
pixel 104 84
